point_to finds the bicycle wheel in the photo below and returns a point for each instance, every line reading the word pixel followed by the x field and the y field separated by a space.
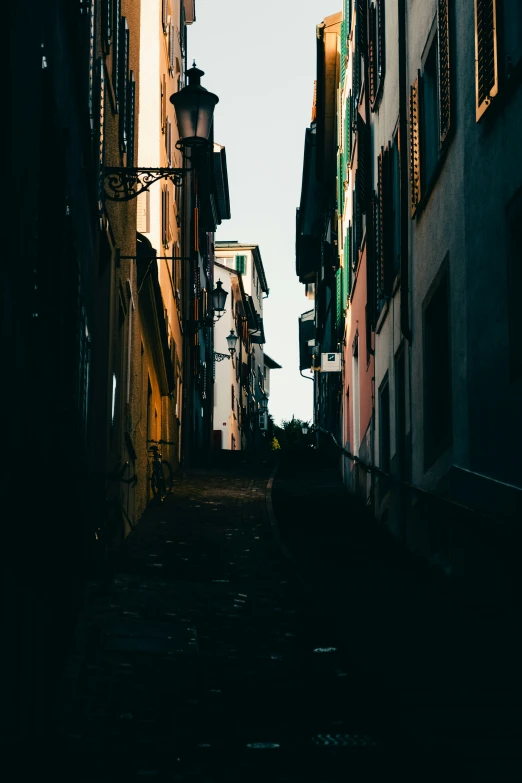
pixel 167 476
pixel 157 482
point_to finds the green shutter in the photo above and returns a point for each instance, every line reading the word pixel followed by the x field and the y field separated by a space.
pixel 348 260
pixel 343 51
pixel 241 264
pixel 340 188
pixel 347 134
pixel 346 267
pixel 347 15
pixel 338 299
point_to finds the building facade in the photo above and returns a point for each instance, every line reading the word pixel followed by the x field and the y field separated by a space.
pixel 107 324
pixel 428 102
pixel 240 388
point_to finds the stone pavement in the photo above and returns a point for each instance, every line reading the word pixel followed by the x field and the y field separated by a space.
pixel 450 670
pixel 206 658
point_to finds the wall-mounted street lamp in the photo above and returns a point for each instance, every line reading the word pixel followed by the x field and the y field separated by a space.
pixel 231 342
pixel 263 404
pixel 194 107
pixel 218 298
pixel 304 429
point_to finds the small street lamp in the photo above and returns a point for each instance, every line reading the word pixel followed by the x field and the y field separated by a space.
pixel 219 297
pixel 231 342
pixel 304 429
pixel 263 404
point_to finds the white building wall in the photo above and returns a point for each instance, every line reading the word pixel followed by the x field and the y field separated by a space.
pixel 226 419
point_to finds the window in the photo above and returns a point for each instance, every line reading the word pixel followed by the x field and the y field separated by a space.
pixel 384 436
pixel 163 103
pixel 168 141
pixel 107 23
pixel 238 263
pixel 498 55
pixel 387 220
pixel 376 52
pixel 165 15
pixel 116 10
pixel 123 82
pixel 143 212
pixel 514 249
pixel 165 224
pixel 241 264
pixel 171 48
pixel 430 112
pixel 430 109
pixel 437 373
pixel 131 111
pixel 512 44
pixel 232 398
pixel 486 54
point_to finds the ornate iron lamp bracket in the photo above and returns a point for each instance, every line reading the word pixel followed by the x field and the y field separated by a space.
pixel 220 356
pixel 124 184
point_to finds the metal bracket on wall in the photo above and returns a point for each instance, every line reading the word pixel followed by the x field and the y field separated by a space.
pixel 124 184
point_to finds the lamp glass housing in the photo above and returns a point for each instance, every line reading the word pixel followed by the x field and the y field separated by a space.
pixel 231 342
pixel 219 297
pixel 263 404
pixel 194 106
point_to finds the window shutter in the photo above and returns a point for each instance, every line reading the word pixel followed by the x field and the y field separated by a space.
pixel 372 57
pixel 356 75
pixel 370 259
pixel 100 92
pixel 346 268
pixel 168 141
pixel 123 67
pixel 415 155
pixel 107 20
pixel 363 151
pixel 377 249
pixel 486 54
pixel 340 188
pixel 131 114
pixel 379 226
pixel 357 224
pixel 444 69
pixel 338 299
pixel 163 103
pixel 362 21
pixel 165 15
pixel 343 50
pixel 172 52
pixel 381 44
pixel 386 224
pixel 347 15
pixel 241 264
pixel 353 115
pixel 347 135
pixel 116 48
pixel 165 216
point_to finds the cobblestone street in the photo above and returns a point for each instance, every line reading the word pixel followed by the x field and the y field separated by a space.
pixel 210 657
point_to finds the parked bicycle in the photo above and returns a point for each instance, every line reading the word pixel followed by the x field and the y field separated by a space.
pixel 161 477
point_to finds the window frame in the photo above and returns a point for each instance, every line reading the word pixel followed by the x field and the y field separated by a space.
pixel 437 438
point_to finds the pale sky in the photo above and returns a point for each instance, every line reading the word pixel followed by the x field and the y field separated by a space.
pixel 259 57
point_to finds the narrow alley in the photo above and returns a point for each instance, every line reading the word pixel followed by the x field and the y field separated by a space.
pixel 216 651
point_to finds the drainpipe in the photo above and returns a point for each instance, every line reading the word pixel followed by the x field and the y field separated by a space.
pixel 404 184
